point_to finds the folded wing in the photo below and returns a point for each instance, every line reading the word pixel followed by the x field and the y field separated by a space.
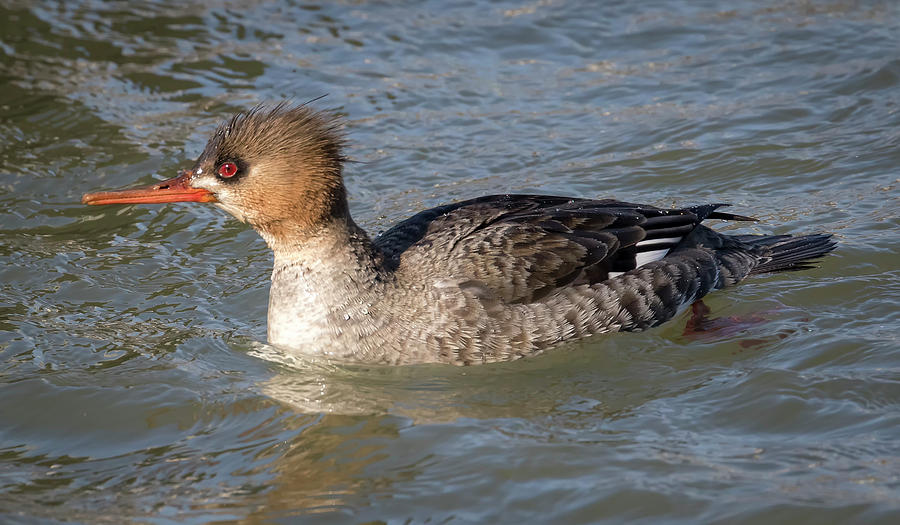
pixel 524 247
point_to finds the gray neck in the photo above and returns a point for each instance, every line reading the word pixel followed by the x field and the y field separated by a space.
pixel 322 289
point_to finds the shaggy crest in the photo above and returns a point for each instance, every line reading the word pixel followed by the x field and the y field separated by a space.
pixel 294 150
pixel 281 130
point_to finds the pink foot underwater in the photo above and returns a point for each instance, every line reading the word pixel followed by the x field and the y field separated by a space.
pixel 702 327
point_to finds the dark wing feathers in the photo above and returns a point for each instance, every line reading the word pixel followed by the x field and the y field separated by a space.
pixel 397 239
pixel 523 247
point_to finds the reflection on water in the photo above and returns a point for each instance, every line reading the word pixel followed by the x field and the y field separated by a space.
pixel 135 381
pixel 422 393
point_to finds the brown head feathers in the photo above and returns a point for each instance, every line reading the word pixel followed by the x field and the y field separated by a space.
pixel 282 129
pixel 289 169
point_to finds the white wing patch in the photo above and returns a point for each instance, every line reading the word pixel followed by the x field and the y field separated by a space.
pixel 650 250
pixel 643 258
pixel 646 252
pixel 671 241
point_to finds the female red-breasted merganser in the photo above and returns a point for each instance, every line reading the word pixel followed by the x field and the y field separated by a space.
pixel 488 279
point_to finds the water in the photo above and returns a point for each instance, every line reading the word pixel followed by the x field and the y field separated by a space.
pixel 135 384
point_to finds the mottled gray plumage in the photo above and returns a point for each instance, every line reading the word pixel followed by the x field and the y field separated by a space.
pixel 529 271
pixel 484 280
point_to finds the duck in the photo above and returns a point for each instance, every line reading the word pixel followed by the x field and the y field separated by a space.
pixel 489 279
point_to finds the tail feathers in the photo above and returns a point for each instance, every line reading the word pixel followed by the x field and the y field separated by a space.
pixel 787 253
pixel 725 216
pixel 709 211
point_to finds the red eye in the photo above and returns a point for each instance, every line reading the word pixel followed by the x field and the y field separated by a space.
pixel 228 170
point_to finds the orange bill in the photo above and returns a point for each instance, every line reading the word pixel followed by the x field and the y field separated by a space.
pixel 177 189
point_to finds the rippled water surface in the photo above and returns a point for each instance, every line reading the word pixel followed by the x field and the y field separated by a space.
pixel 135 383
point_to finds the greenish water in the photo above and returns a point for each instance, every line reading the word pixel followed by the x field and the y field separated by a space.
pixel 134 381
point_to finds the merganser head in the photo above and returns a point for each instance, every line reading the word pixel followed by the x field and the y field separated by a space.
pixel 277 168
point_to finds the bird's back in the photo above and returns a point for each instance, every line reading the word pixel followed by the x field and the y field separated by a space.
pixel 516 274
